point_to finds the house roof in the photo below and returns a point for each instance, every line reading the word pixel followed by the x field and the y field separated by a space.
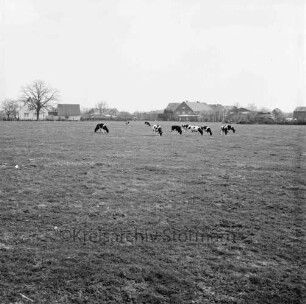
pixel 68 110
pixel 243 110
pixel 228 108
pixel 300 109
pixel 199 107
pixel 172 106
pixel 217 107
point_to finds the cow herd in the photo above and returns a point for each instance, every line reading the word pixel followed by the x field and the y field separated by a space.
pixel 176 128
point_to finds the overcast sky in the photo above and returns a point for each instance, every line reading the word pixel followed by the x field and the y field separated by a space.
pixel 143 54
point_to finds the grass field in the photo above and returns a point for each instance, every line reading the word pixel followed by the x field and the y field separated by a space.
pixel 134 217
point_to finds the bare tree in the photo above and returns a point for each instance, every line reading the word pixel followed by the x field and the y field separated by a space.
pixel 10 107
pixel 38 96
pixel 101 106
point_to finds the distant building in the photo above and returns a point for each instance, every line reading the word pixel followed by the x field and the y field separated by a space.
pixel 200 107
pixel 185 113
pixel 108 113
pixel 194 111
pixel 264 117
pixel 64 112
pixel 299 114
pixel 169 112
pixel 52 115
pixel 172 106
pixel 239 115
pixel 68 111
pixel 27 113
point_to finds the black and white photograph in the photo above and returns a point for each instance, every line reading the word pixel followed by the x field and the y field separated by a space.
pixel 152 151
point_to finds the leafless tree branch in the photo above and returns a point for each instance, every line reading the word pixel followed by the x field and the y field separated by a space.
pixel 101 107
pixel 38 96
pixel 10 107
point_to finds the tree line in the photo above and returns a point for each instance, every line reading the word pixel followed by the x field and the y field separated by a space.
pixel 39 95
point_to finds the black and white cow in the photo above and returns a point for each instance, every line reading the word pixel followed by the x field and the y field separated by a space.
pixel 147 123
pixel 191 128
pixel 158 129
pixel 195 129
pixel 177 128
pixel 224 129
pixel 101 127
pixel 207 129
pixel 127 122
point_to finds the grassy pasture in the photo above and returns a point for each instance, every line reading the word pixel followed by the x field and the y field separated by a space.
pixel 134 217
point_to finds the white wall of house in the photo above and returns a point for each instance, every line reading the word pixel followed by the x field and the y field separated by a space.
pixel 25 113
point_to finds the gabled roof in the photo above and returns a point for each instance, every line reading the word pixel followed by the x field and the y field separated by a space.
pixel 172 106
pixel 68 110
pixel 300 109
pixel 199 107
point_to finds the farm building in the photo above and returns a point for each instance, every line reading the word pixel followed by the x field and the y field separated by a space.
pixel 64 112
pixel 107 113
pixel 172 106
pixel 169 112
pixel 264 117
pixel 193 111
pixel 299 114
pixel 52 115
pixel 185 113
pixel 68 111
pixel 239 115
pixel 26 113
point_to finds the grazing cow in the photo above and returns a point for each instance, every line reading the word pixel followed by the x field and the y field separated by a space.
pixel 101 127
pixel 207 129
pixel 147 123
pixel 127 122
pixel 226 128
pixel 157 128
pixel 195 129
pixel 177 128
